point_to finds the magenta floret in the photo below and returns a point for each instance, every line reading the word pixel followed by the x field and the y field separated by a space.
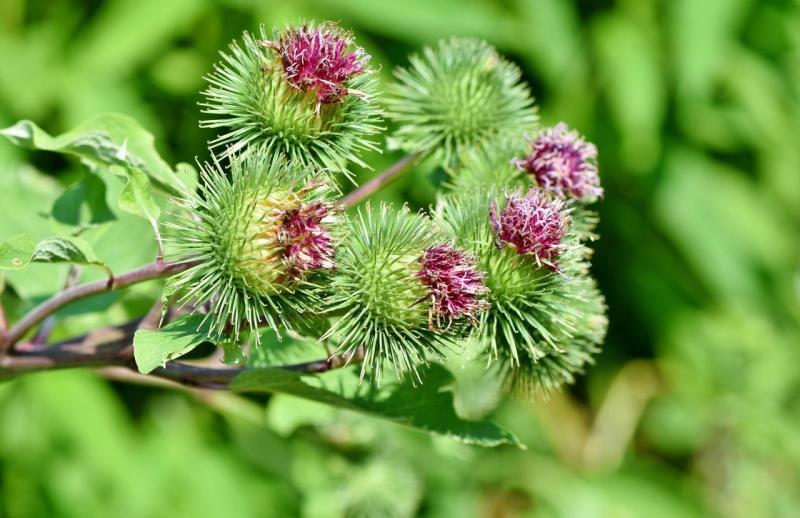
pixel 307 244
pixel 533 224
pixel 455 283
pixel 320 59
pixel 563 163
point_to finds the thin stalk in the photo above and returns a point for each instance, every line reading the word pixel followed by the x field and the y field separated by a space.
pixel 382 180
pixel 3 321
pixel 148 272
pixel 43 334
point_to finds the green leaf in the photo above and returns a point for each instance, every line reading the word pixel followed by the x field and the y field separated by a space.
pixel 152 349
pixel 136 197
pixel 22 249
pixel 104 140
pixel 27 194
pixel 83 204
pixel 428 407
pixel 16 252
pixel 66 250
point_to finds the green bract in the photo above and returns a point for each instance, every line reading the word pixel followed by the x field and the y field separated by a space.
pixel 250 97
pixel 542 326
pixel 491 166
pixel 384 305
pixel 459 95
pixel 233 233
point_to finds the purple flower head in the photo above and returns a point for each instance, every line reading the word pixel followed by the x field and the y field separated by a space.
pixel 306 243
pixel 564 163
pixel 319 60
pixel 454 282
pixel 533 225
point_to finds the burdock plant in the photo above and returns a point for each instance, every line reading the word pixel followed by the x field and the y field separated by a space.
pixel 262 255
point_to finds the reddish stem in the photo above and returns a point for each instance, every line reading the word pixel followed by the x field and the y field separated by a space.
pixel 382 180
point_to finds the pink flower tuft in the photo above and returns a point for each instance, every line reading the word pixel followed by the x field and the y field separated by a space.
pixel 454 281
pixel 562 162
pixel 533 225
pixel 306 243
pixel 319 60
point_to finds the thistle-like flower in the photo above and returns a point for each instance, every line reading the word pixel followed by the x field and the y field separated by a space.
pixel 305 241
pixel 563 163
pixel 379 291
pixel 459 95
pixel 305 93
pixel 532 225
pixel 320 60
pixel 455 284
pixel 542 326
pixel 256 237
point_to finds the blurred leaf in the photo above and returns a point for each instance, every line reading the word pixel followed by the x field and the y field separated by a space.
pixel 27 195
pixel 83 204
pixel 124 35
pixel 428 407
pixel 722 223
pixel 152 349
pixel 15 253
pixel 628 56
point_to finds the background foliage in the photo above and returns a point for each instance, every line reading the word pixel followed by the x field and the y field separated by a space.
pixel 692 408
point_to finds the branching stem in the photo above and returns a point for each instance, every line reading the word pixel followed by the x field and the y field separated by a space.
pixel 112 347
pixel 393 172
pixel 148 272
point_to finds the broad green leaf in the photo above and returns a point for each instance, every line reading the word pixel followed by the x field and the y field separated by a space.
pixel 27 195
pixel 428 407
pixel 22 249
pixel 83 204
pixel 104 140
pixel 16 252
pixel 67 250
pixel 153 348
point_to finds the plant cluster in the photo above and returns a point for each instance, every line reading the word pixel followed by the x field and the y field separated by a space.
pixel 262 240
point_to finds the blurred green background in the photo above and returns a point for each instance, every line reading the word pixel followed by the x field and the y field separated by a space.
pixel 692 408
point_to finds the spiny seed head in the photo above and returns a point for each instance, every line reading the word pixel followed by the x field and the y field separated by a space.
pixel 563 163
pixel 542 326
pixel 455 283
pixel 304 93
pixel 256 235
pixel 321 60
pixel 377 288
pixel 532 224
pixel 456 96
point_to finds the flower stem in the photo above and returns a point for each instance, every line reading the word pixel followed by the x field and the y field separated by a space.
pixel 385 178
pixel 3 325
pixel 148 272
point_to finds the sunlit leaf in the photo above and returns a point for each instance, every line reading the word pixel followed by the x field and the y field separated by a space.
pixel 153 348
pixel 427 407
